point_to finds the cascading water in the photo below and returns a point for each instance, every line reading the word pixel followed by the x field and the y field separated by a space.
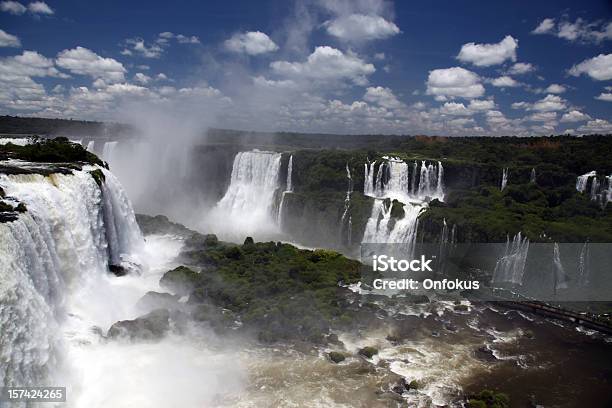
pixel 346 222
pixel 394 182
pixel 511 267
pixel 90 146
pixel 288 189
pixel 108 150
pixel 63 238
pixel 249 205
pixel 558 271
pixel 504 180
pixel 600 191
pixel 532 177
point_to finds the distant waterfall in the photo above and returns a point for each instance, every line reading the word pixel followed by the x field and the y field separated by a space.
pixel 600 191
pixel 249 204
pixel 511 267
pixel 346 220
pixel 72 229
pixel 288 189
pixel 584 268
pixel 504 180
pixel 532 177
pixel 90 146
pixel 108 150
pixel 558 272
pixel 395 181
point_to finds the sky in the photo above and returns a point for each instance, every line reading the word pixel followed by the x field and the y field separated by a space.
pixel 335 66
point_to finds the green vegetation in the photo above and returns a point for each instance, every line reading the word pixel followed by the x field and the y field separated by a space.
pixel 336 356
pixel 488 399
pixel 98 176
pixel 278 291
pixel 58 150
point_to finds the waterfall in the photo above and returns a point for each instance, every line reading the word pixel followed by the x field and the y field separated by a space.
pixel 395 181
pixel 63 238
pixel 582 181
pixel 288 189
pixel 511 267
pixel 558 272
pixel 504 181
pixel 347 206
pixel 90 146
pixel 249 204
pixel 21 141
pixel 107 151
pixel 532 177
pixel 584 266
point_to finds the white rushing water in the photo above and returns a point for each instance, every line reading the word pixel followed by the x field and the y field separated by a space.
pixel 414 187
pixel 108 151
pixel 45 253
pixel 57 298
pixel 288 189
pixel 249 206
pixel 599 190
pixel 511 267
pixel 22 141
pixel 504 180
pixel 346 221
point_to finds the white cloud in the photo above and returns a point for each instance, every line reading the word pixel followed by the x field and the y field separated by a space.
pixel 39 7
pixel 138 46
pixel 379 56
pixel 521 105
pixel 545 27
pixel 455 109
pixel 8 40
pixel 549 103
pixel 161 77
pixel 598 68
pixel 486 55
pixel 13 7
pixel 481 105
pixel 454 82
pixel 521 68
pixel 83 61
pixel 251 43
pixel 542 117
pixel 505 82
pixel 142 78
pixel 574 116
pixel 28 64
pixel 605 96
pixel 596 126
pixel 183 39
pixel 326 63
pixel 360 27
pixel 383 97
pixel 578 31
pixel 555 89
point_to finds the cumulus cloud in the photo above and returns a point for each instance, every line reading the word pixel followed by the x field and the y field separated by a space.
pixel 383 97
pixel 142 78
pixel 40 7
pixel 481 105
pixel 138 46
pixel 549 103
pixel 596 126
pixel 326 63
pixel 605 96
pixel 360 27
pixel 598 68
pixel 13 7
pixel 542 117
pixel 455 109
pixel 454 82
pixel 546 26
pixel 505 82
pixel 28 64
pixel 555 89
pixel 521 68
pixel 574 116
pixel 251 43
pixel 83 61
pixel 578 31
pixel 486 55
pixel 8 40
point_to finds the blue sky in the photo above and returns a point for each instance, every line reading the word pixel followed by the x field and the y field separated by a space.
pixel 362 66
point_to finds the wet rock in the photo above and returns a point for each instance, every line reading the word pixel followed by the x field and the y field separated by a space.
pixel 400 386
pixel 332 338
pixel 368 352
pixel 117 270
pixel 483 353
pixel 451 327
pixel 151 326
pixel 393 339
pixel 336 356
pixel 461 308
pixel 156 300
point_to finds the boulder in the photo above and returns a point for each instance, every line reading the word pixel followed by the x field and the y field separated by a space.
pixel 336 356
pixel 180 281
pixel 151 326
pixel 368 352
